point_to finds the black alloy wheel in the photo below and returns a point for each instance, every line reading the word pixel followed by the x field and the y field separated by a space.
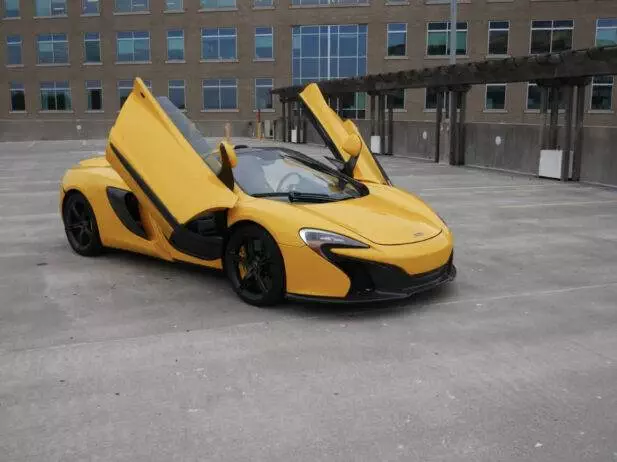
pixel 80 225
pixel 255 267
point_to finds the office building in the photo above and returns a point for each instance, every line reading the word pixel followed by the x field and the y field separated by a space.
pixel 67 65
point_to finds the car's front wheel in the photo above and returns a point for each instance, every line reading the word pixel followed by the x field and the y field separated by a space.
pixel 254 266
pixel 80 225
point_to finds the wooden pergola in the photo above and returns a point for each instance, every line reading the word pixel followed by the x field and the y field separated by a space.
pixel 553 73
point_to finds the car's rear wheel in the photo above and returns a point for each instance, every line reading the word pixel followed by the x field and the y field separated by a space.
pixel 255 267
pixel 80 225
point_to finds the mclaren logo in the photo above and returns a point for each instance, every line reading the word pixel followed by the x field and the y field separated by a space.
pixel 418 235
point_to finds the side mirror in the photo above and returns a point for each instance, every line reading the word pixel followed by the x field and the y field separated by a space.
pixel 353 145
pixel 228 154
pixel 351 127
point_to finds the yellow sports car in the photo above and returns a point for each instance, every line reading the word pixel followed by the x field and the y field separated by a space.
pixel 279 223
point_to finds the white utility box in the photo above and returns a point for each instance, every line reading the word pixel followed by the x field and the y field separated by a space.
pixel 550 163
pixel 294 135
pixel 376 144
pixel 267 133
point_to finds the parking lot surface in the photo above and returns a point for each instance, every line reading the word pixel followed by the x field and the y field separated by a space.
pixel 126 358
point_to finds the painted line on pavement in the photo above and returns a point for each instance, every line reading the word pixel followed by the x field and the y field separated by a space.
pixel 556 204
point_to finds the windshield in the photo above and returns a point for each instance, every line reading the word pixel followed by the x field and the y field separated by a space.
pixel 191 133
pixel 276 172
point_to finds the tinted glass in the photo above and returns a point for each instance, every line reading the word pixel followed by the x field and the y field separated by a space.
pixel 498 42
pixel 191 134
pixel 268 171
pixel 495 97
pixel 534 98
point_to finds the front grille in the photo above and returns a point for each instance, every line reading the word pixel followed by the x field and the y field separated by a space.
pixel 368 278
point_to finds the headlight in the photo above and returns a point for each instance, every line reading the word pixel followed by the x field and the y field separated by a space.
pixel 318 240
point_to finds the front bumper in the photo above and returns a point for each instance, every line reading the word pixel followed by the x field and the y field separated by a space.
pixel 373 281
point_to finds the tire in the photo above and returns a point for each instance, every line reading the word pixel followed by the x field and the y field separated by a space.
pixel 80 225
pixel 255 267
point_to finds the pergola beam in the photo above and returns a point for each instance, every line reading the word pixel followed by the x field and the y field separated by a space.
pixel 556 66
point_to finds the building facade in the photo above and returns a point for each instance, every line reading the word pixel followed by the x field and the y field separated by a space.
pixel 67 65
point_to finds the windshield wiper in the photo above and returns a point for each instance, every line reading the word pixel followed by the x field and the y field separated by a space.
pixel 295 196
pixel 271 194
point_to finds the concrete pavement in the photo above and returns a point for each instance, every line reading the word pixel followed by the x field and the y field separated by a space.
pixel 126 358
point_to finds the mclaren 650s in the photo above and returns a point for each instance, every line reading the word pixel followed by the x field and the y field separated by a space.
pixel 277 222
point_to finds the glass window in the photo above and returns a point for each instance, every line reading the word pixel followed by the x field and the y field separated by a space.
pixel 396 99
pixel 174 5
pixel 132 6
pixel 133 46
pixel 44 8
pixel 350 105
pixel 52 49
pixel 397 39
pixel 438 38
pixel 218 44
pixel 262 3
pixel 264 43
pixel 125 87
pixel 94 94
pixel 90 7
pixel 430 100
pixel 220 94
pixel 330 2
pixel 175 91
pixel 216 4
pixel 498 32
pixel 56 96
pixel 191 133
pixel 606 32
pixel 13 50
pixel 18 97
pixel 263 97
pixel 602 93
pixel 92 47
pixel 534 97
pixel 551 36
pixel 11 9
pixel 330 52
pixel 175 45
pixel 495 97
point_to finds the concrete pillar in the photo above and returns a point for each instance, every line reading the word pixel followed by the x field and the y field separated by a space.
pixel 578 132
pixel 289 119
pixel 373 114
pixel 284 120
pixel 304 125
pixel 545 92
pixel 453 127
pixel 460 156
pixel 381 102
pixel 298 122
pixel 553 128
pixel 565 158
pixel 390 129
pixel 438 125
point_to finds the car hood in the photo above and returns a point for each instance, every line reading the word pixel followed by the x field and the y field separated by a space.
pixel 382 217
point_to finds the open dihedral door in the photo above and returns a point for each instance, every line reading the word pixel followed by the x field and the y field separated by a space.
pixel 170 168
pixel 335 132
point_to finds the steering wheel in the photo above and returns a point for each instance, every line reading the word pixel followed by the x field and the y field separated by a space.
pixel 285 178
